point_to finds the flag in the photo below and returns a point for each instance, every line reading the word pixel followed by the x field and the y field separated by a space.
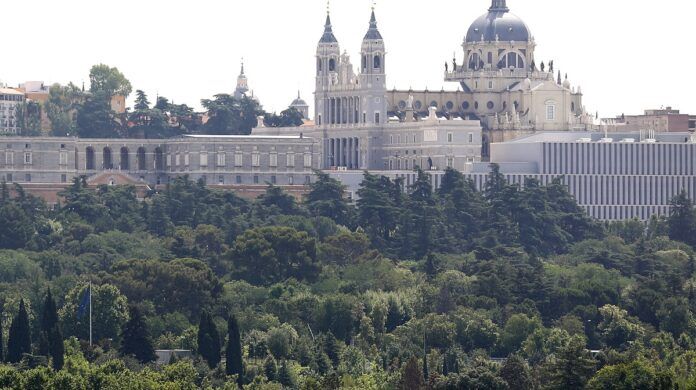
pixel 84 303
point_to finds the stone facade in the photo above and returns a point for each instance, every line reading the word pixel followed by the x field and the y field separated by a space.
pixel 9 100
pixel 220 160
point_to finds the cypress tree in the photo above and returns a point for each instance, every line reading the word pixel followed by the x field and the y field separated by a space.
pixel 19 339
pixel 51 337
pixel 136 338
pixel 234 364
pixel 208 340
pixel 426 371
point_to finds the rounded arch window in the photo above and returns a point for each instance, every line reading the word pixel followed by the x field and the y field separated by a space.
pixel 517 105
pixel 572 106
pixel 377 62
pixel 364 62
pixel 332 65
pixel 476 105
pixel 465 105
pixel 504 105
pixel 418 105
pixel 512 60
pixel 433 104
pixel 319 64
pixel 490 105
pixel 475 61
pixel 449 105
pixel 402 105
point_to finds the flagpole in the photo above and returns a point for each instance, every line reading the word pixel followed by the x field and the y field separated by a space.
pixel 90 312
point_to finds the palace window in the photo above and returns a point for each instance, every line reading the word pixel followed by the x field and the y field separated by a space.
pixel 238 159
pixel 273 160
pixel 308 160
pixel 204 159
pixel 221 159
pixel 290 160
pixel 255 160
pixel 27 158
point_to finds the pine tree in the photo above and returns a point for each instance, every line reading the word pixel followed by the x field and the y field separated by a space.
pixel 270 368
pixel 136 338
pixel 208 340
pixel 19 339
pixel 234 364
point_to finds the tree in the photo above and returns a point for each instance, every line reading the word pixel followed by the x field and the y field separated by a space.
pixel 96 119
pixel 209 340
pixel 109 312
pixel 141 102
pixel 19 339
pixel 135 338
pixel 16 227
pixel 515 372
pixel 287 118
pixel 270 368
pixel 285 376
pixel 638 374
pixel 682 219
pixel 573 366
pixel 326 198
pixel 273 254
pixel 51 335
pixel 411 376
pixel 62 103
pixel 234 364
pixel 228 115
pixel 108 80
pixel 379 208
pixel 2 338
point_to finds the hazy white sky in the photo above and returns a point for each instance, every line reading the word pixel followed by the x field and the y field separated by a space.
pixel 627 55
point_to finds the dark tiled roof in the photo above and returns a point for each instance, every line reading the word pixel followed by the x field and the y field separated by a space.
pixel 373 32
pixel 328 36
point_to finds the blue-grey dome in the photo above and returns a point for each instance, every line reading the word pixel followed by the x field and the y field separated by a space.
pixel 498 24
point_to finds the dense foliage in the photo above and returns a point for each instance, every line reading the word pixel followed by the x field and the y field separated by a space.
pixel 506 288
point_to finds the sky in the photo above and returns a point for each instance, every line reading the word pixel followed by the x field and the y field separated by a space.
pixel 626 55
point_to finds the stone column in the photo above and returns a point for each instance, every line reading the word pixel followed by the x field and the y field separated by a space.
pixel 350 153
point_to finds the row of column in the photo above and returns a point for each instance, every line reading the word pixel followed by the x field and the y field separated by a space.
pixel 343 110
pixel 343 152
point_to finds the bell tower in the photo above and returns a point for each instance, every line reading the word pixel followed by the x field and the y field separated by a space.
pixel 328 57
pixel 373 74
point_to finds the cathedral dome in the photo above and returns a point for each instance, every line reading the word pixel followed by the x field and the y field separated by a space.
pixel 498 25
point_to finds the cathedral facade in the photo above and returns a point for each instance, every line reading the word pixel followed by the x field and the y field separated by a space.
pixel 502 93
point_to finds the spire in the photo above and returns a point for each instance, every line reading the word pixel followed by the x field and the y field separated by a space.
pixel 328 36
pixel 373 32
pixel 499 5
pixel 241 73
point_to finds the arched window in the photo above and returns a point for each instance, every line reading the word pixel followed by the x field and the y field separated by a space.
pixel 475 61
pixel 511 60
pixel 377 64
pixel 364 62
pixel 572 106
pixel 465 105
pixel 490 57
pixel 125 159
pixel 108 162
pixel 332 65
pixel 319 67
pixel 89 157
pixel 159 159
pixel 142 163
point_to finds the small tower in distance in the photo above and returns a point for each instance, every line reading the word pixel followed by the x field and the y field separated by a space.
pixel 242 84
pixel 300 105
